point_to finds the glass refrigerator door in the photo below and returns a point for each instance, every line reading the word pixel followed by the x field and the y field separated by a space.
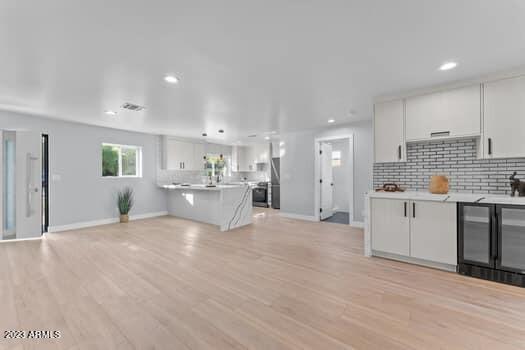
pixel 511 224
pixel 476 245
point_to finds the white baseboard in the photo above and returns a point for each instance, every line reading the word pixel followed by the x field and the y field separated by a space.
pixel 299 217
pixel 357 224
pixel 85 224
pixel 20 239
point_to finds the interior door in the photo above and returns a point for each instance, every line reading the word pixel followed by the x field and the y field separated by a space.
pixel 327 183
pixel 28 184
pixel 9 180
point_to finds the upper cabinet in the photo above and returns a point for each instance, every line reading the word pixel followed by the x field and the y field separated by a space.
pixel 246 158
pixel 451 113
pixel 179 155
pixel 504 118
pixel 389 140
pixel 262 153
pixel 182 155
pixel 243 159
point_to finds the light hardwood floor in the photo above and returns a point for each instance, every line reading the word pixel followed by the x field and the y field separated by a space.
pixel 168 283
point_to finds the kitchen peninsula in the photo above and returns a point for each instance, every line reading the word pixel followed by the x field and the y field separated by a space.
pixel 227 206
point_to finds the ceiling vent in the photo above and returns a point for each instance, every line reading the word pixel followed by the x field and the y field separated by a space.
pixel 132 107
pixel 253 135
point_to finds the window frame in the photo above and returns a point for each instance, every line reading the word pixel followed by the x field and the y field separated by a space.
pixel 227 163
pixel 138 160
pixel 337 157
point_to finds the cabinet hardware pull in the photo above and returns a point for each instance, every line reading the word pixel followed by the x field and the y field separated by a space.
pixel 405 209
pixel 490 146
pixel 399 152
pixel 440 133
pixel 413 209
pixel 494 236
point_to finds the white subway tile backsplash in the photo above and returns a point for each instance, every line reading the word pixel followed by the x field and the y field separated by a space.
pixel 455 159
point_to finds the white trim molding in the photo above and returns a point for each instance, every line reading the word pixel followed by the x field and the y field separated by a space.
pixel 85 224
pixel 357 224
pixel 299 216
pixel 20 239
pixel 317 172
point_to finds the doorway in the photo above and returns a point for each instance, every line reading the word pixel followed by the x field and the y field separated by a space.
pixel 8 185
pixel 334 179
pixel 45 183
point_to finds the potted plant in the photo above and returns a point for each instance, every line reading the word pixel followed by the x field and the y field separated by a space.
pixel 125 203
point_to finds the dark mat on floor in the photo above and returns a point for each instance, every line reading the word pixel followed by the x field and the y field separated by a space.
pixel 339 217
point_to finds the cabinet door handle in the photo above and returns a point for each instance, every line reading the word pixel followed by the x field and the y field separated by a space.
pixel 494 237
pixel 405 209
pixel 399 152
pixel 413 209
pixel 490 146
pixel 440 133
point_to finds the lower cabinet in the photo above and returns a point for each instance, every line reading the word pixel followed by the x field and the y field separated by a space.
pixel 390 226
pixel 433 231
pixel 423 230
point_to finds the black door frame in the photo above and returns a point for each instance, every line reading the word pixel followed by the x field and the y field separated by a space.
pixel 45 183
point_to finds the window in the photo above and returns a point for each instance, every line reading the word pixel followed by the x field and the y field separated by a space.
pixel 336 158
pixel 214 165
pixel 121 160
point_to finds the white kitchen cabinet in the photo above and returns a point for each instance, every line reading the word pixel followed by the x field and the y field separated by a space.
pixel 389 140
pixel 504 118
pixel 451 113
pixel 433 231
pixel 179 154
pixel 423 230
pixel 261 153
pixel 182 154
pixel 390 226
pixel 243 159
pixel 198 156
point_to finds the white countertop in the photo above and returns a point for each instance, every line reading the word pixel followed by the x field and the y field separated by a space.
pixel 450 197
pixel 202 187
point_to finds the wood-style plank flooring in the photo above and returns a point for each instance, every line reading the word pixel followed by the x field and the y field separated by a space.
pixel 168 283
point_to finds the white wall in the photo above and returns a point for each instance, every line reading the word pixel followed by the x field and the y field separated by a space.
pixel 340 177
pixel 297 167
pixel 82 194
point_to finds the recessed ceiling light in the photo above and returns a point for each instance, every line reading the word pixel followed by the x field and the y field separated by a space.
pixel 331 121
pixel 171 79
pixel 267 137
pixel 221 131
pixel 110 112
pixel 448 65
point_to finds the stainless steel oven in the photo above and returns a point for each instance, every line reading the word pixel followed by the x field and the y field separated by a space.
pixel 260 195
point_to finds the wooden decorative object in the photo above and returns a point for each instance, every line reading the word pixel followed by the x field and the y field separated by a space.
pixel 438 184
pixel 390 187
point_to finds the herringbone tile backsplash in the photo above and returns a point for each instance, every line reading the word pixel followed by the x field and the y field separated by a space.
pixel 457 160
